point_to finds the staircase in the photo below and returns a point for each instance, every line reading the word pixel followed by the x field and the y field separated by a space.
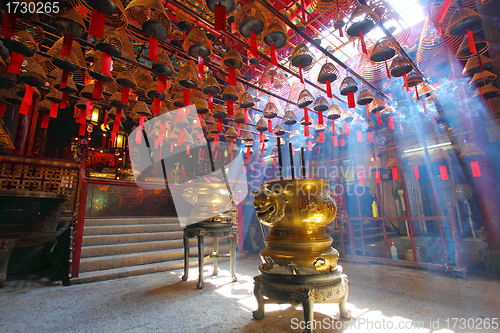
pixel 122 247
pixel 374 238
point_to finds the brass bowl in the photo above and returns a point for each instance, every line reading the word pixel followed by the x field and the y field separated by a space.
pixel 210 200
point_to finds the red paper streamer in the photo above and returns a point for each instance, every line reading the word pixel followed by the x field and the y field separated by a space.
pixel 233 30
pixel 350 100
pixel 64 79
pixel 416 172
pixel 64 100
pixel 306 115
pixel 186 97
pixel 219 125
pixel 239 130
pixel 248 155
pixel 480 62
pixel 3 106
pixel 300 73
pixel 153 48
pixel 333 126
pixel 434 121
pixel 270 126
pixel 347 128
pixel 220 17
pixel 406 81
pixel 210 101
pixel 472 45
pixel 335 141
pixel 96 27
pixel 53 110
pixel 187 153
pixel 82 129
pixel 401 129
pixel 138 134
pixel 360 136
pixel 232 76
pixel 89 107
pixel 362 40
pixel 370 136
pixel 329 89
pixel 180 113
pixel 379 121
pixel 125 95
pixel 116 124
pixel 377 177
pixel 442 12
pixel 261 136
pixel 274 160
pixel 16 61
pixel 161 84
pixel 262 148
pixel 171 146
pixel 387 69
pixel 342 142
pixel 253 44
pixel 97 90
pixel 274 58
pixel 306 131
pixel 425 106
pixel 67 45
pixel 28 95
pixel 45 121
pixel 320 118
pixel 321 137
pixel 24 108
pixel 182 137
pixel 416 93
pixel 246 116
pixel 367 111
pixel 201 63
pixel 253 68
pixel 202 154
pixel 309 145
pixel 395 173
pixel 361 176
pixel 391 122
pixel 476 172
pixel 156 105
pixel 443 172
pixel 9 24
pixel 105 121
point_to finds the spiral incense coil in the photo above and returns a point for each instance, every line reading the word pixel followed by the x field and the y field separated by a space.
pixel 376 105
pixel 72 62
pixel 10 96
pixel 96 72
pixel 230 93
pixel 163 66
pixel 362 19
pixel 151 16
pixel 462 20
pixel 261 125
pixel 142 108
pixel 33 74
pixel 55 96
pixel 219 112
pixel 210 86
pixel 88 92
pixel 35 31
pixel 425 91
pixel 126 79
pixel 464 52
pixel 115 19
pixel 320 104
pixel 305 99
pixel 112 115
pixel 115 101
pixel 330 7
pixel 152 91
pixel 68 22
pixel 233 59
pixel 482 78
pixel 21 42
pixel 247 101
pixel 365 96
pixel 274 80
pixel 348 86
pixel 328 72
pixel 303 57
pixel 197 44
pixel 70 85
pixel 276 35
pixel 472 65
pixel 201 105
pixel 270 110
pixel 385 49
pixel 334 112
pixel 111 43
pixel 413 79
pixel 250 18
pixel 400 65
pixel 143 78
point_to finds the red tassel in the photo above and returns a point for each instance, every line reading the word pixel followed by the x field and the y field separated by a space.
pixel 67 45
pixel 367 111
pixel 335 141
pixel 3 106
pixel 361 176
pixel 210 101
pixel 274 58
pixel 306 131
pixel 82 118
pixel 24 108
pixel 89 107
pixel 416 172
pixel 306 115
pixel 370 136
pixel 53 110
pixel 153 48
pixel 16 61
pixel 443 172
pixel 270 126
pixel 45 121
pixel 476 172
pixel 406 81
pixel 64 79
pixel 333 126
pixel 253 68
pixel 186 97
pixel 239 130
pixel 9 24
pixel 360 136
pixel 442 12
pixel 395 173
pixel 301 75
pixel 125 95
pixel 246 116
pixel 97 90
pixel 416 92
pixel 274 160
pixel 379 121
pixel 472 45
pixel 261 136
pixel 377 177
pixel 28 95
pixel 232 76
pixel 200 67
pixel 387 69
pixel 96 27
pixel 156 105
pixel 263 146
pixel 320 118
pixel 362 40
pixel 253 44
pixel 161 84
pixel 329 89
pixel 220 17
pixel 219 125
pixel 391 122
pixel 116 124
pixel 347 128
pixel 350 100
pixel 321 137
pixel 342 142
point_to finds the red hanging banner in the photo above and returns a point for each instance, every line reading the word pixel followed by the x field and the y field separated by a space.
pixel 161 84
pixel 472 45
pixel 367 111
pixel 16 61
pixel 9 24
pixel 28 95
pixel 329 89
pixel 476 172
pixel 125 95
pixel 210 101
pixel 377 177
pixel 442 12
pixel 64 79
pixel 261 137
pixel 300 74
pixel 201 63
pixel 156 105
pixel 309 145
pixel 362 40
pixel 153 48
pixel 3 106
pixel 180 114
pixel 387 69
pixel 97 90
pixel 182 136
pixel 406 81
pixel 270 126
pixel 186 97
pixel 96 27
pixel 360 136
pixel 45 121
pixel 379 121
pixel 253 44
pixel 138 133
pixel 219 125
pixel 274 58
pixel 321 136
pixel 89 107
pixel 106 64
pixel 53 110
pixel 64 100
pixel 306 115
pixel 347 128
pixel 370 136
pixel 416 93
pixel 246 116
pixel 306 131
pixel 320 118
pixel 116 124
pixel 232 76
pixel 361 176
pixel 220 17
pixel 335 141
pixel 342 142
pixel 333 126
pixel 443 172
pixel 395 173
pixel 239 129
pixel 67 45
pixel 82 129
pixel 391 122
pixel 263 146
pixel 233 30
pixel 24 108
pixel 350 100
pixel 416 172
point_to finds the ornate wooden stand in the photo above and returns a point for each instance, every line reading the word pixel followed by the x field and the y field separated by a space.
pixel 214 230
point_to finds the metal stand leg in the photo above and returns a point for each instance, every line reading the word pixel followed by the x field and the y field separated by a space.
pixel 201 259
pixel 232 256
pixel 216 251
pixel 344 313
pixel 308 309
pixel 259 313
pixel 186 257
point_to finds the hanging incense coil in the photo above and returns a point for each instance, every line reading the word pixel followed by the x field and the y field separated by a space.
pixel 248 138
pixel 392 163
pixel 11 97
pixel 22 43
pixel 187 77
pixel 151 16
pixel 348 86
pixel 233 59
pixel 70 85
pixel 440 154
pixel 362 19
pixel 305 99
pixel 152 91
pixel 276 34
pixel 261 125
pixel 88 92
pixel 231 133
pixel 320 104
pixel 141 108
pixel 303 57
pixel 239 117
pixel 111 43
pixel 113 9
pixel 337 8
pixel 55 96
pixel 334 112
pixel 305 122
pixel 471 150
pixel 250 18
pixel 219 112
pixel 163 66
pixel 197 44
pixel 365 96
pixel 126 79
pixel 415 159
pixel 400 65
pixel 328 72
pixel 45 106
pixel 71 62
pixel 384 50
pixel 178 99
pixel 270 110
pixel 322 127
pixel 462 20
pixel 230 5
pixel 472 65
pixel 488 91
pixel 211 86
pixel 201 105
pixel 95 71
pixel 464 52
pixel 376 105
pixel 413 79
pixel 143 78
pixel 279 130
pixel 33 74
pixel 274 80
pixel 68 22
pixel 347 115
pixel 483 78
pixel 21 91
pixel 115 101
pixel 230 93
pixel 112 115
pixel 246 101
pixel 425 91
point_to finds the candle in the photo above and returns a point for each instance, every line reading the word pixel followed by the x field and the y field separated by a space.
pixel 290 147
pixel 280 160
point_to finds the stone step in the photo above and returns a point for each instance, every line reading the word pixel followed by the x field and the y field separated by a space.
pixel 129 229
pixel 135 259
pixel 130 238
pixel 129 220
pixel 117 249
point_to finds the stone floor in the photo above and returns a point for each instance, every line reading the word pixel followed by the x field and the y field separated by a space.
pixel 380 297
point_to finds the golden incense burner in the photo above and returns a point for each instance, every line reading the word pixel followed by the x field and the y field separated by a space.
pixel 211 202
pixel 297 212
